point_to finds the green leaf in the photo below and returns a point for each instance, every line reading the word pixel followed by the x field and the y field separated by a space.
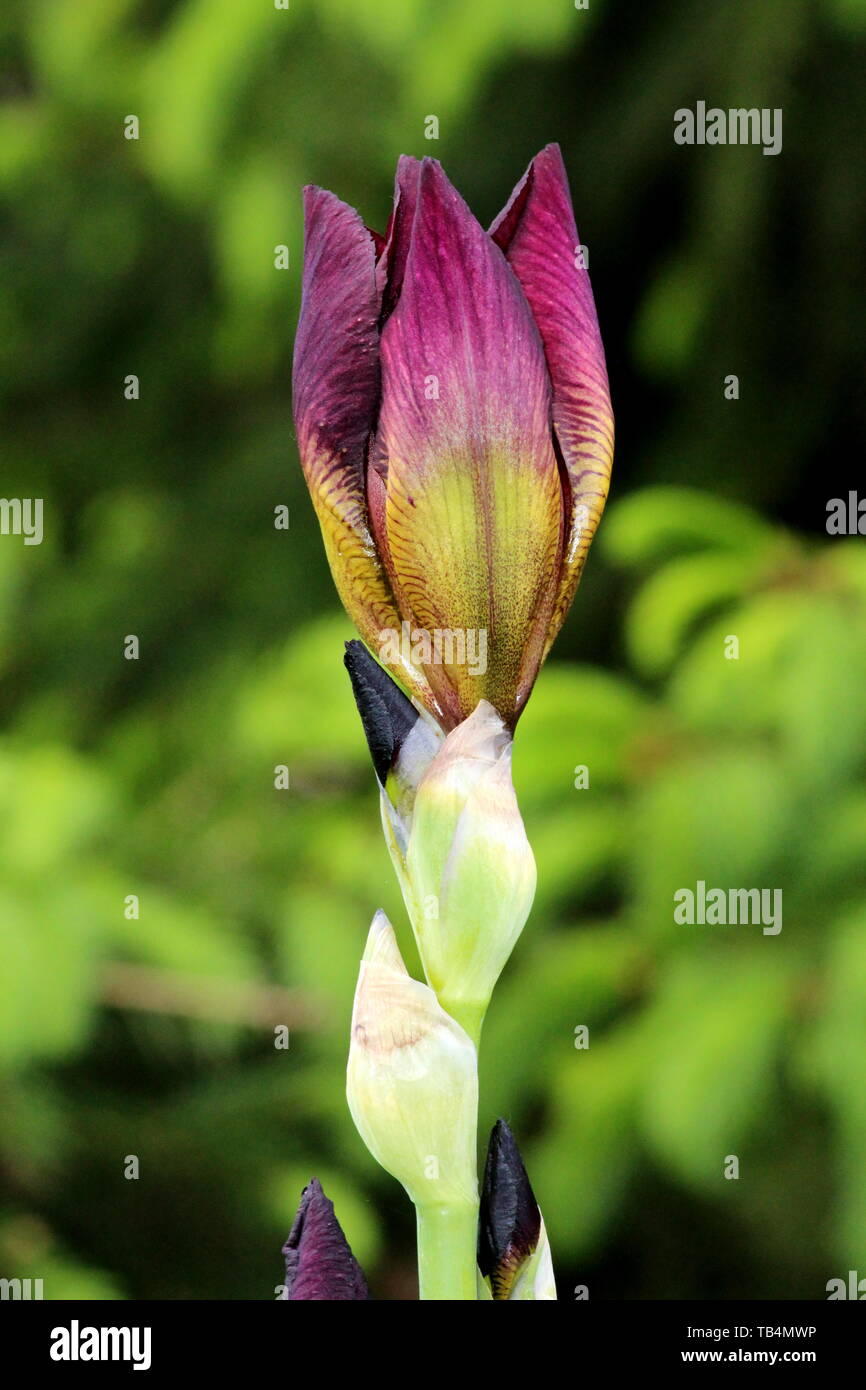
pixel 833 1053
pixel 675 598
pixel 717 1031
pixel 582 1163
pixel 555 983
pixel 47 982
pixel 577 716
pixel 714 693
pixel 576 847
pixel 822 709
pixel 720 817
pixel 298 705
pixel 662 521
pixel 671 317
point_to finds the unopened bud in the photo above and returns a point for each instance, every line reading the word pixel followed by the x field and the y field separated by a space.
pixel 319 1263
pixel 411 1080
pixel 468 874
pixel 513 1251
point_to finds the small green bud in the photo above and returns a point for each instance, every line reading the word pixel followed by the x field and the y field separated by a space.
pixel 412 1081
pixel 468 873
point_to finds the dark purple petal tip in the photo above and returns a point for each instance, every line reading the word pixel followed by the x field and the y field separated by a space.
pixel 319 1263
pixel 510 1222
pixel 387 716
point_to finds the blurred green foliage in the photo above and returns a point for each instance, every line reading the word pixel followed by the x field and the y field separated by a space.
pixel 154 1036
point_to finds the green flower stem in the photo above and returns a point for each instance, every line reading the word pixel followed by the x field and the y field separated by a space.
pixel 468 1013
pixel 447 1258
pixel 448 1236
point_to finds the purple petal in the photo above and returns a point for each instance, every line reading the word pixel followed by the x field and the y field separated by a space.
pixel 319 1264
pixel 473 495
pixel 537 232
pixel 336 397
pixel 391 266
pixel 336 393
pixel 509 1221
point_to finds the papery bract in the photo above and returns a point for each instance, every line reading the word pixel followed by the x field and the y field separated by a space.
pixel 411 1079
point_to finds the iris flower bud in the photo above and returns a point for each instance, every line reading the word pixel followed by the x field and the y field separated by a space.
pixel 320 1265
pixel 455 836
pixel 411 1080
pixel 468 872
pixel 513 1253
pixel 454 425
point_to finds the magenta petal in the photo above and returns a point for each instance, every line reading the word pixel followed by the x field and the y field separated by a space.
pixel 463 319
pixel 391 265
pixel 537 232
pixel 336 365
pixel 473 495
pixel 319 1263
pixel 336 395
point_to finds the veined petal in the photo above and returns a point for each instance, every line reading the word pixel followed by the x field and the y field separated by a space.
pixel 336 396
pixel 473 507
pixel 537 232
pixel 390 269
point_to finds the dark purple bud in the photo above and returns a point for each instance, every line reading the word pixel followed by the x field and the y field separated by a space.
pixel 386 714
pixel 510 1221
pixel 319 1263
pixel 402 742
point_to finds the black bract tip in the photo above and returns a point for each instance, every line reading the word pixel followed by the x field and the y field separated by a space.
pixel 509 1222
pixel 386 714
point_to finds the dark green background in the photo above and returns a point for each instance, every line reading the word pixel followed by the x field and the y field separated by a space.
pixel 154 1037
